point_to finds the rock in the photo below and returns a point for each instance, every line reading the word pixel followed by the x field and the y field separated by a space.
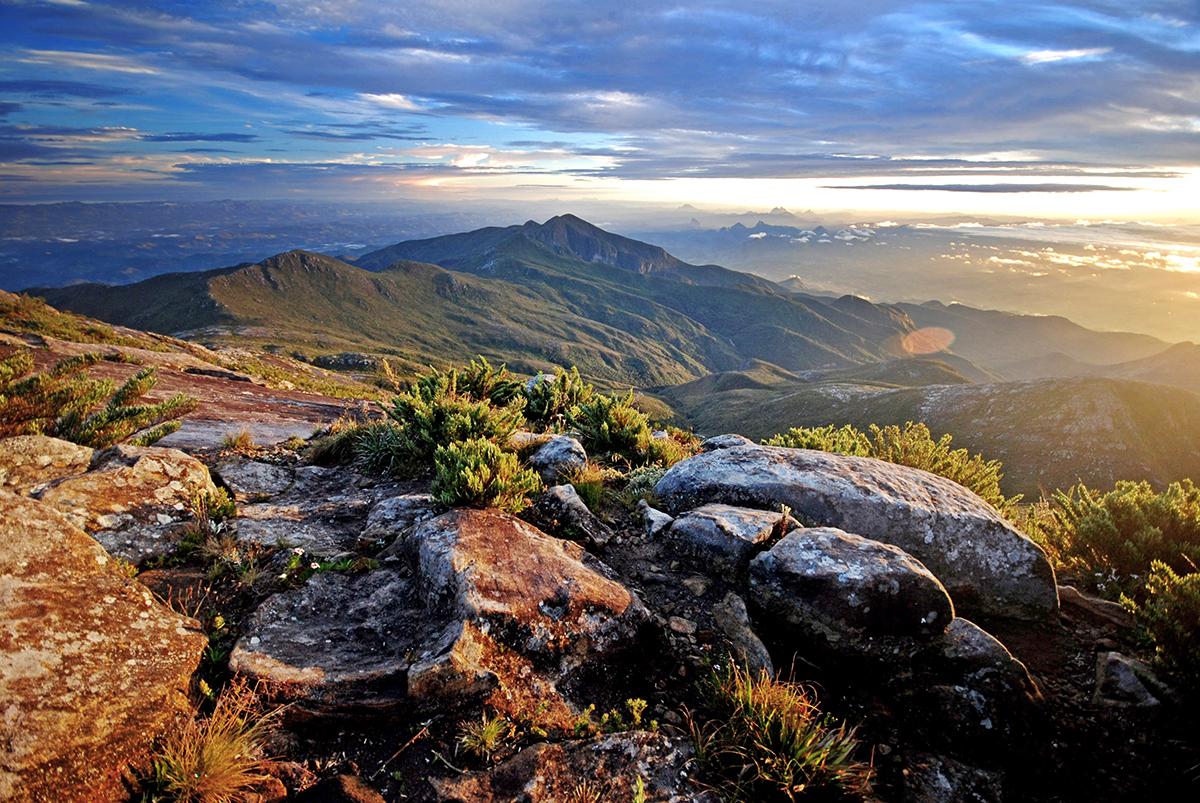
pixel 848 595
pixel 604 768
pixel 684 627
pixel 392 516
pixel 340 789
pixel 548 596
pixel 724 442
pixel 92 669
pixel 722 537
pixel 250 480
pixel 1123 682
pixel 557 458
pixel 324 512
pixel 522 441
pixel 28 462
pixel 929 778
pixel 471 603
pixel 985 564
pixel 697 584
pixel 968 653
pixel 134 500
pixel 341 643
pixel 654 521
pixel 733 621
pixel 561 511
pixel 1077 602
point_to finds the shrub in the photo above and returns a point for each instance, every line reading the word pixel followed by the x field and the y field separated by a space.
pixel 1171 617
pixel 476 380
pixel 483 737
pixel 216 759
pixel 770 741
pixel 1111 539
pixel 334 445
pixel 64 402
pixel 478 473
pixel 435 413
pixel 669 450
pixel 911 445
pixel 380 447
pixel 611 425
pixel 549 400
pixel 588 481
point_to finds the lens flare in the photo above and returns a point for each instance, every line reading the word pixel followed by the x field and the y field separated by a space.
pixel 928 340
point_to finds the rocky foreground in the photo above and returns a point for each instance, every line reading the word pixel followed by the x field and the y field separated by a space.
pixel 382 623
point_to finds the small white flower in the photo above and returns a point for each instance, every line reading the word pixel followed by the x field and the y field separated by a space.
pixel 314 565
pixel 283 576
pixel 298 550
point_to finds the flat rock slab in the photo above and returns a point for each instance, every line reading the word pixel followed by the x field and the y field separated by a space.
pixel 253 479
pixel 723 537
pixel 28 462
pixel 606 767
pixel 848 595
pixel 390 517
pixel 134 499
pixel 92 669
pixel 986 564
pixel 324 511
pixel 339 641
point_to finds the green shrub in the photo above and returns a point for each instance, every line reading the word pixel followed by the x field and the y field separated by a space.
pixel 478 473
pixel 769 740
pixel 611 425
pixel 1170 615
pixel 669 450
pixel 476 380
pixel 436 413
pixel 588 481
pixel 380 447
pixel 911 445
pixel 64 402
pixel 549 401
pixel 1111 539
pixel 334 445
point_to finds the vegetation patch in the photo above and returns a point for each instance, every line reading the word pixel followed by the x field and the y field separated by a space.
pixel 478 473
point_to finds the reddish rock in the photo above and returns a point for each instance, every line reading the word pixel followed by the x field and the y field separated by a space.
pixel 92 669
pixel 28 462
pixel 134 498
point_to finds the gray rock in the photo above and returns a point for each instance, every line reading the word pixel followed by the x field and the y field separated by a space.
pixel 986 564
pixel 557 458
pixel 733 621
pixel 848 595
pixel 340 643
pixel 391 516
pixel 724 442
pixel 929 778
pixel 1077 603
pixel 654 521
pixel 560 510
pixel 722 537
pixel 253 479
pixel 1124 682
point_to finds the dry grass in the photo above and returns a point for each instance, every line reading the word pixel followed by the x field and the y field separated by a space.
pixel 769 740
pixel 483 737
pixel 217 759
pixel 240 441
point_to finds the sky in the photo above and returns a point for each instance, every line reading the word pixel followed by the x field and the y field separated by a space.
pixel 1061 110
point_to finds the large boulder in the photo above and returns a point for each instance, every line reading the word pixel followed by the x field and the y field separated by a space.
pixel 723 537
pixel 92 669
pixel 835 592
pixel 134 500
pixel 985 564
pixel 29 462
pixel 557 458
pixel 603 768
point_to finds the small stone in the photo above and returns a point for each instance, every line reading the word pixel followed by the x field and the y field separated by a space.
pixel 696 584
pixel 684 627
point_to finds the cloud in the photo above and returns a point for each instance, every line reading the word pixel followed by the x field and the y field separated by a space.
pixel 189 136
pixel 86 61
pixel 1050 56
pixel 392 100
pixel 986 187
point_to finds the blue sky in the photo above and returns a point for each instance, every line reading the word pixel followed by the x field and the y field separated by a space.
pixel 1071 107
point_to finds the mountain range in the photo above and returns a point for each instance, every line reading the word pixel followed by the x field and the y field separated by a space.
pixel 724 350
